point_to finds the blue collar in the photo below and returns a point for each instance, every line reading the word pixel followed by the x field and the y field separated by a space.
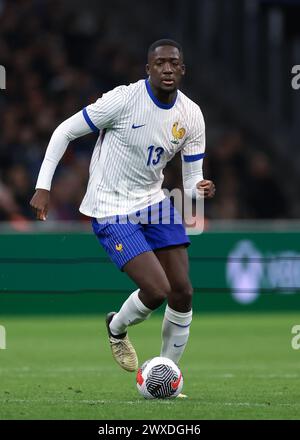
pixel 155 100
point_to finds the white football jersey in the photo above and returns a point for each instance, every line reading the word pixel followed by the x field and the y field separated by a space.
pixel 138 136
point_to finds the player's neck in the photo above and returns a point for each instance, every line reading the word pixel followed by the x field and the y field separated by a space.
pixel 163 96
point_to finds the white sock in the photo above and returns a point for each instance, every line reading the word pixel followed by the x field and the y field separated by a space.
pixel 175 333
pixel 132 312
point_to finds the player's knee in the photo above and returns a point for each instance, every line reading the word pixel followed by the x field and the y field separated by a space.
pixel 154 295
pixel 162 292
pixel 182 294
pixel 184 290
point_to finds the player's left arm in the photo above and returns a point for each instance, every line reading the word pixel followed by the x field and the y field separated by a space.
pixel 192 154
pixel 194 184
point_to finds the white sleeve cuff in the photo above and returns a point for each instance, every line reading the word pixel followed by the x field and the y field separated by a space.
pixel 46 174
pixel 192 174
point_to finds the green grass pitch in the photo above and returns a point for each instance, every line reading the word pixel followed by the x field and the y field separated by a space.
pixel 238 366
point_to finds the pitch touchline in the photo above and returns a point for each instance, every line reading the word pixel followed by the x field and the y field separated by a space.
pixel 84 401
pixel 139 401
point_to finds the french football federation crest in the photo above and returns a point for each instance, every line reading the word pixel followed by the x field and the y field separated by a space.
pixel 177 133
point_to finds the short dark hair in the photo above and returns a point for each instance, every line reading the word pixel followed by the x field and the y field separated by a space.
pixel 164 42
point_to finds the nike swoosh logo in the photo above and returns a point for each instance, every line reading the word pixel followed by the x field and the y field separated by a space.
pixel 137 126
pixel 179 345
pixel 175 384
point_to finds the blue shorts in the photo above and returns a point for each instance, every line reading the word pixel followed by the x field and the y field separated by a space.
pixel 154 227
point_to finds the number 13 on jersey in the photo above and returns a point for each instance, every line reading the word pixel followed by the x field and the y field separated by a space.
pixel 154 155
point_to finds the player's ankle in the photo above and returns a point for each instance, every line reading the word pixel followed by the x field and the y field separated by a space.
pixel 118 336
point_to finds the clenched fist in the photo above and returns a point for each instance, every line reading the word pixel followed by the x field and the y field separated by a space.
pixel 206 188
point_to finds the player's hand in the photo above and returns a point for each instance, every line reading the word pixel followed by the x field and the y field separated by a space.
pixel 206 188
pixel 40 203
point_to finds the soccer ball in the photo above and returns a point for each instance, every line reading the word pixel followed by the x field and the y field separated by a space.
pixel 159 378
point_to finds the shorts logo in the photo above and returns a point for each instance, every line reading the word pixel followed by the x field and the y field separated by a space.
pixel 177 133
pixel 119 247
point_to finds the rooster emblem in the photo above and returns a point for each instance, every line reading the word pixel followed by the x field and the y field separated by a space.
pixel 177 134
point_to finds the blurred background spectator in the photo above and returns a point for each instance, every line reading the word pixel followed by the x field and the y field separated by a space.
pixel 60 56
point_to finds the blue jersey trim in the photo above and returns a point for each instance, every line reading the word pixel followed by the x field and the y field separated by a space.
pixel 155 100
pixel 89 122
pixel 193 157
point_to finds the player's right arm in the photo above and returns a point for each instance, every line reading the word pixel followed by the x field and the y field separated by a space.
pixel 102 114
pixel 68 130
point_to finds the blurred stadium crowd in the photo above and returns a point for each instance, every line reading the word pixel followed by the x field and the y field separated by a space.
pixel 57 61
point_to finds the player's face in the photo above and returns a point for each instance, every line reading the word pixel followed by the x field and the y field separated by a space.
pixel 165 68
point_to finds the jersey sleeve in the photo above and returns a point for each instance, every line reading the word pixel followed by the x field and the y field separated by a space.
pixel 105 111
pixel 72 128
pixel 194 147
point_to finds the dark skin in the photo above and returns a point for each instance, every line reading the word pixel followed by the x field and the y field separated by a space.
pixel 166 277
pixel 167 268
pixel 166 69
